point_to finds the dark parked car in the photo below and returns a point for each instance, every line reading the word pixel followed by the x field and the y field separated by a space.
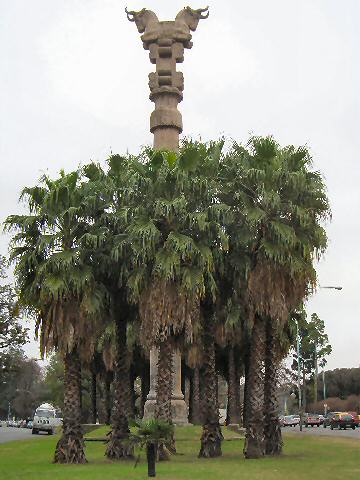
pixel 311 420
pixel 342 421
pixel 355 418
pixel 329 416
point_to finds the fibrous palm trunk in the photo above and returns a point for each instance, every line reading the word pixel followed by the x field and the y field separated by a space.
pixel 132 404
pixel 119 447
pixel 238 393
pixel 195 417
pixel 211 437
pixel 145 385
pixel 163 393
pixel 108 381
pixel 233 413
pixel 246 387
pixel 83 414
pixel 93 398
pixel 70 448
pixel 272 430
pixel 184 375
pixel 254 439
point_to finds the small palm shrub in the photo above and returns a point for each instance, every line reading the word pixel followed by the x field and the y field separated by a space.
pixel 149 435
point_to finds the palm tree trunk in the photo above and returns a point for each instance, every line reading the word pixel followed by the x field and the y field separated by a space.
pixel 70 448
pixel 233 407
pixel 254 439
pixel 163 392
pixel 145 384
pixel 93 398
pixel 118 447
pixel 211 437
pixel 246 386
pixel 184 374
pixel 83 415
pixel 195 417
pixel 164 382
pixel 238 393
pixel 108 381
pixel 132 394
pixel 272 430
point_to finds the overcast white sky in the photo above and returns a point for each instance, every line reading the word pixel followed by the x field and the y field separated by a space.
pixel 73 86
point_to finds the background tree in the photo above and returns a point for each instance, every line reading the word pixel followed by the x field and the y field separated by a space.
pixel 12 334
pixel 342 382
pixel 21 385
pixel 54 381
pixel 315 347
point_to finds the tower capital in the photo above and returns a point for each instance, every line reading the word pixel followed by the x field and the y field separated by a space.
pixel 166 41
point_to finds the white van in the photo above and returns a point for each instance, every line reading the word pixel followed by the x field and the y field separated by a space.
pixel 46 419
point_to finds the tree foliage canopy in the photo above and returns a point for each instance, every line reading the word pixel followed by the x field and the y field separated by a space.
pixel 12 333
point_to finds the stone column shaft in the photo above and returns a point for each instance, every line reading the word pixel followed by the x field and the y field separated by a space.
pixel 179 411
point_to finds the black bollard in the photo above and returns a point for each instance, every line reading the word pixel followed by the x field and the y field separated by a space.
pixel 150 455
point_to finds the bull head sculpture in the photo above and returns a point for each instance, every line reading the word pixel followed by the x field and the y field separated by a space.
pixel 144 19
pixel 189 17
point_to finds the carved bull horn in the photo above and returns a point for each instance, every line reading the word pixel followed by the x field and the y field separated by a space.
pixel 131 14
pixel 202 10
pixel 199 12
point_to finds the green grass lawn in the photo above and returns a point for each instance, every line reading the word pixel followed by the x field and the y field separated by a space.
pixel 304 458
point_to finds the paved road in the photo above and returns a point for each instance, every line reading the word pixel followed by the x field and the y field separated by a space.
pixel 321 431
pixel 8 434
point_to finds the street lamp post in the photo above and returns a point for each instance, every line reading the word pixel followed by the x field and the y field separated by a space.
pixel 331 287
pixel 299 370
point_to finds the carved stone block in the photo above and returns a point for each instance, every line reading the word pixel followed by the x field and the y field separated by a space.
pixel 179 411
pixel 165 117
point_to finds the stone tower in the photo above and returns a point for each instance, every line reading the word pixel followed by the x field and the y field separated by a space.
pixel 166 42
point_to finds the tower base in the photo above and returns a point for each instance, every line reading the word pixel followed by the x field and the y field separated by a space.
pixel 179 411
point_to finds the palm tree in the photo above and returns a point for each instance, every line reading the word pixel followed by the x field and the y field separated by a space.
pixel 233 333
pixel 281 204
pixel 150 434
pixel 272 431
pixel 211 437
pixel 194 359
pixel 233 405
pixel 172 226
pixel 107 228
pixel 56 282
pixel 119 446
